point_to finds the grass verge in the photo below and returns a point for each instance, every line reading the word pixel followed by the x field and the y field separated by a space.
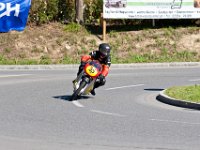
pixel 57 43
pixel 188 93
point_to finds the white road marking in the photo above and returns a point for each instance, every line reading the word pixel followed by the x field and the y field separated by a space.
pixel 171 121
pixel 193 80
pixel 121 87
pixel 76 103
pixel 16 75
pixel 107 113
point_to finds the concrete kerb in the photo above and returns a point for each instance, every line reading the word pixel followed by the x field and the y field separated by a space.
pixel 38 67
pixel 177 102
pixel 120 66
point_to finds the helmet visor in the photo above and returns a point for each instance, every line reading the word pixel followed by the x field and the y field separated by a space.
pixel 103 55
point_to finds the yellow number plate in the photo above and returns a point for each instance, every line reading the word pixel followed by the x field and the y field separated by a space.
pixel 91 70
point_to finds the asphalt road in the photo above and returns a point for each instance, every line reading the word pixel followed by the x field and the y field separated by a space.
pixel 36 114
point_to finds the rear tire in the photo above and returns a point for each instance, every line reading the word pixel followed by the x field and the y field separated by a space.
pixel 76 93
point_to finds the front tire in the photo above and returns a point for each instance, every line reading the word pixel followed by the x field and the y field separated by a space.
pixel 76 93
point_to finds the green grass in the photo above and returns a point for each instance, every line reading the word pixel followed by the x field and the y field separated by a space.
pixel 73 27
pixel 188 93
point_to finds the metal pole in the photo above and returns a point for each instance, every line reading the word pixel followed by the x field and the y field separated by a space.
pixel 104 30
pixel 153 22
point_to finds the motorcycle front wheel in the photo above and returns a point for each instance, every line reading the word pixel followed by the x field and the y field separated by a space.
pixel 76 93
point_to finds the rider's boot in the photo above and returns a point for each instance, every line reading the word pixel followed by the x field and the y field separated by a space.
pixel 74 81
pixel 96 85
pixel 93 92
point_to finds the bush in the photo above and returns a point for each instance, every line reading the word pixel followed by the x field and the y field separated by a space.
pixel 93 10
pixel 66 10
pixel 38 12
pixel 44 11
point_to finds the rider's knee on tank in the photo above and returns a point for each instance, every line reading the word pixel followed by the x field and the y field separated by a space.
pixel 103 82
pixel 100 83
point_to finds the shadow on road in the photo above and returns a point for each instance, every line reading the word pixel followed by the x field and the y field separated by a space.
pixel 67 97
pixel 153 89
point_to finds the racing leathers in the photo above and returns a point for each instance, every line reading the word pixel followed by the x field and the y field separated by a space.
pixel 105 61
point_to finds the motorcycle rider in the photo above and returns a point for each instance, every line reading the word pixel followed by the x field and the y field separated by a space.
pixel 103 56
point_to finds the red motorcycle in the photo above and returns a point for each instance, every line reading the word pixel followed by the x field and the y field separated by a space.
pixel 85 81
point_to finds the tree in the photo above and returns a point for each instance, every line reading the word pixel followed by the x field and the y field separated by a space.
pixel 79 11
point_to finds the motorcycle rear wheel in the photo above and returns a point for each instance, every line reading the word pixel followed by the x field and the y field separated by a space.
pixel 76 93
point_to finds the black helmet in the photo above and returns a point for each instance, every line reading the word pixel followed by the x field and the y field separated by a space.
pixel 104 49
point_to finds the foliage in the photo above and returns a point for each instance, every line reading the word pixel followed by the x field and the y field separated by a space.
pixel 72 27
pixel 38 11
pixel 189 93
pixel 43 11
pixel 66 10
pixel 93 10
pixel 52 9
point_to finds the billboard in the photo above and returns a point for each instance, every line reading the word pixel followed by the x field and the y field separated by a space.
pixel 13 14
pixel 151 9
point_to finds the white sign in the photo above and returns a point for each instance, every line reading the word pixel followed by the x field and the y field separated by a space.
pixel 151 9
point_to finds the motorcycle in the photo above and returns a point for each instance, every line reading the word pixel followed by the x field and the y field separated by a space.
pixel 85 81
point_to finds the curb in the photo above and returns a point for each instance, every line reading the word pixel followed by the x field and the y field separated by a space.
pixel 177 102
pixel 157 65
pixel 125 66
pixel 38 67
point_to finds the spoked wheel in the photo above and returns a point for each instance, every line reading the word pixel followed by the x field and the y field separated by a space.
pixel 76 93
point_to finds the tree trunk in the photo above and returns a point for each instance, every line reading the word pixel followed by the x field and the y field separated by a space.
pixel 79 11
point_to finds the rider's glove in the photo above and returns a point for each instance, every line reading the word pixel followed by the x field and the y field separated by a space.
pixel 101 78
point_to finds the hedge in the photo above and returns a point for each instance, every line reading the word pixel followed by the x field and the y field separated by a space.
pixel 43 11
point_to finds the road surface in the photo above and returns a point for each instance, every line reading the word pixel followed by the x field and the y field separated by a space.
pixel 36 114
